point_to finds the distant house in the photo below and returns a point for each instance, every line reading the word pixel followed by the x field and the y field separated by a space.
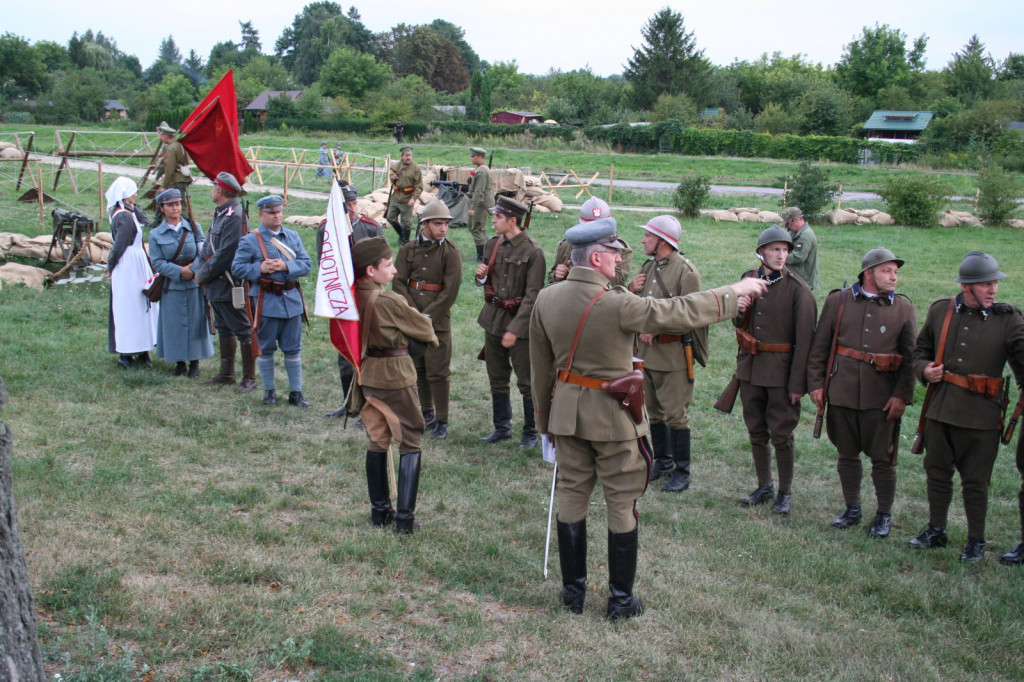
pixel 899 126
pixel 450 110
pixel 516 117
pixel 709 114
pixel 113 109
pixel 259 105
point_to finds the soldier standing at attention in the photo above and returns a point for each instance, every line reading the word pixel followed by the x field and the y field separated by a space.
pixel 481 198
pixel 213 274
pixel 774 335
pixel 362 228
pixel 511 277
pixel 171 169
pixel 390 410
pixel 592 209
pixel 429 274
pixel 406 187
pixel 668 389
pixel 872 329
pixel 803 257
pixel 274 259
pixel 581 335
pixel 962 409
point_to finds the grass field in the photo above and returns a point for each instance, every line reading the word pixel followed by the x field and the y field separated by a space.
pixel 177 532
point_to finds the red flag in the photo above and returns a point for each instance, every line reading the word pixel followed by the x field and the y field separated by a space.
pixel 210 133
pixel 335 282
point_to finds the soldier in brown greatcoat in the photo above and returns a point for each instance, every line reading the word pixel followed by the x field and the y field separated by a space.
pixel 512 273
pixel 592 209
pixel 774 335
pixel 594 437
pixel 871 384
pixel 429 274
pixel 387 383
pixel 667 388
pixel 962 414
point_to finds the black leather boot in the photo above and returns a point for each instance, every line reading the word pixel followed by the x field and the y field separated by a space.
pixel 479 253
pixel 180 368
pixel 850 517
pixel 125 361
pixel 381 511
pixel 248 382
pixel 974 550
pixel 501 409
pixel 193 369
pixel 530 438
pixel 228 346
pixel 881 526
pixel 622 551
pixel 429 419
pixel 662 455
pixel 933 536
pixel 763 494
pixel 408 485
pixel 572 555
pixel 680 480
pixel 1014 557
pixel 143 359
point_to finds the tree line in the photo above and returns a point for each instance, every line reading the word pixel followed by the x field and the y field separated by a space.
pixel 346 71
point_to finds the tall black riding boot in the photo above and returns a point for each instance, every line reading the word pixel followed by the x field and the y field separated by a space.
pixel 622 551
pixel 680 480
pixel 662 454
pixel 529 439
pixel 501 409
pixel 345 371
pixel 479 253
pixel 572 555
pixel 228 346
pixel 381 511
pixel 408 484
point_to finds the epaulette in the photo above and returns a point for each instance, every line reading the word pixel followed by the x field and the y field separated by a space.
pixel 1003 309
pixel 909 300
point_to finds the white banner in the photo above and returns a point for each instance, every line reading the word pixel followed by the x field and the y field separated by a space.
pixel 335 278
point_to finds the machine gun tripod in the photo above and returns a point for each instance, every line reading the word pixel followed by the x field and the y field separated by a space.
pixel 71 232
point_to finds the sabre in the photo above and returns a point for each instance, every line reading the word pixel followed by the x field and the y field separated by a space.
pixel 551 509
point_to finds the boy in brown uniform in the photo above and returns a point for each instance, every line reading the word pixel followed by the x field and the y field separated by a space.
pixel 512 274
pixel 774 336
pixel 667 388
pixel 962 414
pixel 429 274
pixel 391 410
pixel 871 382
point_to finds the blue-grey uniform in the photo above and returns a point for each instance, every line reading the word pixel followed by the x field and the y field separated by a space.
pixel 279 304
pixel 182 331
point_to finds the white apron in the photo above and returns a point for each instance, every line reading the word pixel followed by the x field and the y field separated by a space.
pixel 134 316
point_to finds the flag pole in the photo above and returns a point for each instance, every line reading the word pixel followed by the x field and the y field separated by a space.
pixel 551 509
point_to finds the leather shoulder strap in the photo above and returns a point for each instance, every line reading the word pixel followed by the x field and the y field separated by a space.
pixel 579 328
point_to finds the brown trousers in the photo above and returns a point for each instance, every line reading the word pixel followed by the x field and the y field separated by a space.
pixel 667 396
pixel 770 418
pixel 432 372
pixel 868 431
pixel 621 469
pixel 501 361
pixel 972 453
pixel 405 406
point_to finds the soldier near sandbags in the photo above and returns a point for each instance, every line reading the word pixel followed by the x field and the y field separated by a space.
pixel 803 257
pixel 581 350
pixel 386 397
pixel 668 358
pixel 592 209
pixel 273 259
pixel 962 409
pixel 406 187
pixel 173 171
pixel 429 275
pixel 362 228
pixel 774 336
pixel 862 356
pixel 481 198
pixel 213 273
pixel 512 276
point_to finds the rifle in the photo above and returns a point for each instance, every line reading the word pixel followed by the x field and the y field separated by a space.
pixel 1017 411
pixel 255 340
pixel 529 214
pixel 688 354
pixel 1005 401
pixel 727 400
pixel 917 447
pixel 894 442
pixel 820 417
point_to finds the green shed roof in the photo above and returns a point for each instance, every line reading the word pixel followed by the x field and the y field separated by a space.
pixel 898 120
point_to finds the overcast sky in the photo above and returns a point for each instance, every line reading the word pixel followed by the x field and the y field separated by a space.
pixel 544 35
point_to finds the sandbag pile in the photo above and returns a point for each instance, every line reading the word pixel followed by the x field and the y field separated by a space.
pixel 958 218
pixel 746 214
pixel 854 216
pixel 16 273
pixel 13 243
pixel 1015 222
pixel 11 152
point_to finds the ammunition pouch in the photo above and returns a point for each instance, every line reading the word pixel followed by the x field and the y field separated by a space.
pixel 749 343
pixel 883 362
pixel 976 383
pixel 273 286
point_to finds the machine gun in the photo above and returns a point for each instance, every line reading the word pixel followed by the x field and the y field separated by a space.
pixel 451 184
pixel 69 231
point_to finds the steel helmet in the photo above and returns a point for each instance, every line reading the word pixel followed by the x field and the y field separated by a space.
pixel 977 267
pixel 594 209
pixel 666 227
pixel 435 210
pixel 877 256
pixel 773 234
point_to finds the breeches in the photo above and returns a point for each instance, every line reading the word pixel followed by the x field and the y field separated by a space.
pixel 971 452
pixel 283 332
pixel 400 419
pixel 667 396
pixel 227 319
pixel 623 473
pixel 501 361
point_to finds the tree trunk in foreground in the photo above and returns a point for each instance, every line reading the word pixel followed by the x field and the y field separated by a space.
pixel 19 647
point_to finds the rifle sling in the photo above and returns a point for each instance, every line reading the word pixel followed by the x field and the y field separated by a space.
pixel 939 352
pixel 843 295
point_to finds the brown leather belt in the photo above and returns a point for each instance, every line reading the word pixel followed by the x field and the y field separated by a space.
pixel 749 343
pixel 387 352
pixel 272 286
pixel 586 382
pixel 182 262
pixel 883 362
pixel 425 286
pixel 510 304
pixel 404 190
pixel 668 338
pixel 975 383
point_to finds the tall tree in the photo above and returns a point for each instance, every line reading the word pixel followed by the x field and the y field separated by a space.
pixel 352 74
pixel 169 51
pixel 668 63
pixel 970 74
pixel 22 71
pixel 1012 68
pixel 879 58
pixel 250 39
pixel 314 34
pixel 432 56
pixel 458 36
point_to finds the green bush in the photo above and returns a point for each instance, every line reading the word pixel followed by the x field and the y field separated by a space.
pixel 809 188
pixel 915 200
pixel 691 194
pixel 997 195
pixel 19 118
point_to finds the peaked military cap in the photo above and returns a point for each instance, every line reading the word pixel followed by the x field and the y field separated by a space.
pixel 509 206
pixel 594 208
pixel 349 192
pixel 404 150
pixel 227 183
pixel 270 201
pixel 601 231
pixel 169 196
pixel 791 213
pixel 165 128
pixel 477 151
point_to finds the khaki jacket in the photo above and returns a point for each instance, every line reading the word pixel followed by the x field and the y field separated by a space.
pixel 391 325
pixel 674 275
pixel 605 349
pixel 518 272
pixel 409 178
pixel 174 156
pixel 430 262
pixel 481 194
